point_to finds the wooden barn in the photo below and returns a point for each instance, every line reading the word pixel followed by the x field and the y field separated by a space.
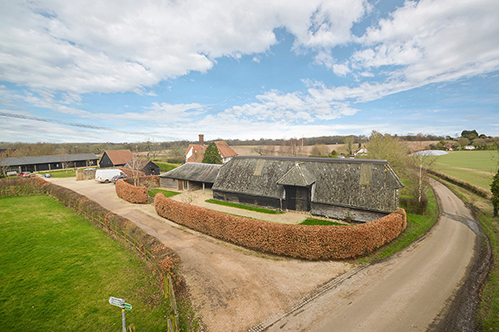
pixel 115 158
pixel 190 176
pixel 146 166
pixel 47 163
pixel 357 189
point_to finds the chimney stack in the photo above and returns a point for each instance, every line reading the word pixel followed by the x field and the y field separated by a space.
pixel 201 139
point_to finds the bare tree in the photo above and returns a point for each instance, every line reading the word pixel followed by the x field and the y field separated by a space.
pixel 421 161
pixel 349 140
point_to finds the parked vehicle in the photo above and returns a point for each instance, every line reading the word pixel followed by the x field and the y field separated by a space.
pixel 119 177
pixel 26 174
pixel 106 175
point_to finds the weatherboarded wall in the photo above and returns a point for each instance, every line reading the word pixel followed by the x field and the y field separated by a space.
pixel 299 241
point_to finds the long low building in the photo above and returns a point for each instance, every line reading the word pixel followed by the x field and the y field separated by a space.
pixel 190 176
pixel 47 163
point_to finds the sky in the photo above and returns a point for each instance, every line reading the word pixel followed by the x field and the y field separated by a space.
pixel 131 71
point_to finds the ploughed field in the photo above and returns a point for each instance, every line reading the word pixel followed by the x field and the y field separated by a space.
pixel 57 272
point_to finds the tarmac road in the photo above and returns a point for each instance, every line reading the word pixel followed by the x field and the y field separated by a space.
pixel 405 293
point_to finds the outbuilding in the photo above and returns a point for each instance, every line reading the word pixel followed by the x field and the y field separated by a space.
pixel 146 166
pixel 357 189
pixel 47 163
pixel 190 176
pixel 115 158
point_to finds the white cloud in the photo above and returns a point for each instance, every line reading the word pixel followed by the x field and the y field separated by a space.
pixel 116 46
pixel 435 41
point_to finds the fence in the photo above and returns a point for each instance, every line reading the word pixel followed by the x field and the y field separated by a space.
pixel 173 322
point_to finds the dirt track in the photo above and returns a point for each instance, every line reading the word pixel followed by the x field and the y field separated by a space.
pixel 232 288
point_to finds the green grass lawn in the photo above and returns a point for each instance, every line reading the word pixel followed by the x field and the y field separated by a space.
pixel 244 207
pixel 322 222
pixel 479 161
pixel 67 173
pixel 57 272
pixel 167 193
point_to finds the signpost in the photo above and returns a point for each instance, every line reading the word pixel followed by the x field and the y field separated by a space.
pixel 124 306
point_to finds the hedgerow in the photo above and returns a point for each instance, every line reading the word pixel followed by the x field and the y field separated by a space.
pixel 298 241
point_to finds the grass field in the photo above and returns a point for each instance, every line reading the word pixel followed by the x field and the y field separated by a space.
pixel 57 272
pixel 475 167
pixel 165 167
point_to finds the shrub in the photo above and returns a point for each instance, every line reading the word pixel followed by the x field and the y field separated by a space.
pixel 131 193
pixel 494 187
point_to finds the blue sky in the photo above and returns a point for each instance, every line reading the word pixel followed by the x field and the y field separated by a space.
pixel 128 71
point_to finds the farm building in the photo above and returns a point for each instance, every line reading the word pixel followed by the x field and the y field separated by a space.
pixel 115 158
pixel 360 189
pixel 47 163
pixel 190 176
pixel 146 166
pixel 195 152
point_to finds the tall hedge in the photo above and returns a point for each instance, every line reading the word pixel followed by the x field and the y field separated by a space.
pixel 494 187
pixel 299 241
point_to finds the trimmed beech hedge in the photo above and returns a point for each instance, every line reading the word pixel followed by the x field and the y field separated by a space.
pixel 466 185
pixel 129 172
pixel 299 241
pixel 21 186
pixel 131 193
pixel 163 259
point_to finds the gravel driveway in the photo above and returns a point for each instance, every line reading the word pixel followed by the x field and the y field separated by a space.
pixel 232 288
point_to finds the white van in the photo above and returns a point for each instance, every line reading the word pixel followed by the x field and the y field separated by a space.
pixel 105 175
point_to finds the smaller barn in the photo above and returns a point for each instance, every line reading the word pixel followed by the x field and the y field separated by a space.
pixel 146 166
pixel 357 189
pixel 190 176
pixel 47 163
pixel 115 158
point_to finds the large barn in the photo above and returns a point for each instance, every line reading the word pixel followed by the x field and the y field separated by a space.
pixel 47 163
pixel 360 189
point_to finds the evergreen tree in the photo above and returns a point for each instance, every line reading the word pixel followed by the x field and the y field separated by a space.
pixel 211 155
pixel 494 187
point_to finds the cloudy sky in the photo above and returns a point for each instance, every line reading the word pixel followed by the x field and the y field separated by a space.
pixel 127 71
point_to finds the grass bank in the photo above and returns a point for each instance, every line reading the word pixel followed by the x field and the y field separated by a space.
pixel 57 272
pixel 321 222
pixel 417 226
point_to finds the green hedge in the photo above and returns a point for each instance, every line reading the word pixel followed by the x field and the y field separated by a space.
pixel 466 185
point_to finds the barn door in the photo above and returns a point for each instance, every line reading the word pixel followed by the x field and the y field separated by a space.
pixel 297 198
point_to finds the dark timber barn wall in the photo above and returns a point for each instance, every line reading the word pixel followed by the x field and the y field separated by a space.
pixel 48 163
pixel 361 189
